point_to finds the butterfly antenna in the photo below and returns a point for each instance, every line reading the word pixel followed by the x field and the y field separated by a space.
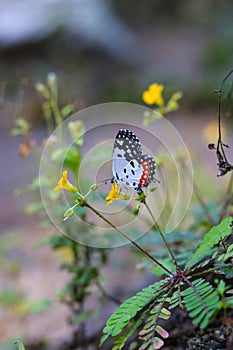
pixel 106 181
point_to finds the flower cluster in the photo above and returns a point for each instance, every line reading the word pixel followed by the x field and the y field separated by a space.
pixel 114 194
pixel 154 95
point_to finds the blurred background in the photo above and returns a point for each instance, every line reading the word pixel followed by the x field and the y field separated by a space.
pixel 101 51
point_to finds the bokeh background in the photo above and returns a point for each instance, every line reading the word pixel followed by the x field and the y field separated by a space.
pixel 101 51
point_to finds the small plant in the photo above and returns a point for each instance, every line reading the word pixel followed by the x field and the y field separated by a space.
pixel 194 279
pixel 188 280
pixel 82 263
pixel 154 97
pixel 182 287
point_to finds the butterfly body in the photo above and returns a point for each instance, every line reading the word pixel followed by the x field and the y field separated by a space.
pixel 129 166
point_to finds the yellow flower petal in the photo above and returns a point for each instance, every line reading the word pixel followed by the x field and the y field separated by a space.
pixel 64 184
pixel 114 194
pixel 148 97
pixel 154 95
pixel 156 89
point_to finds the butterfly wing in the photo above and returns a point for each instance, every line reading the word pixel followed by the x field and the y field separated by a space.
pixel 126 147
pixel 149 169
pixel 130 168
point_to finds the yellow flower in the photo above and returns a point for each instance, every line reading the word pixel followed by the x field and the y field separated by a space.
pixel 114 194
pixel 64 184
pixel 154 95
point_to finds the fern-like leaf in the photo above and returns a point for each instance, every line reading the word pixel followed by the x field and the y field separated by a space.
pixel 224 262
pixel 152 332
pixel 119 320
pixel 119 342
pixel 211 238
pixel 227 255
pixel 201 300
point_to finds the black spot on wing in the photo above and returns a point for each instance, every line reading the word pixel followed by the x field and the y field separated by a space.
pixel 128 144
pixel 132 163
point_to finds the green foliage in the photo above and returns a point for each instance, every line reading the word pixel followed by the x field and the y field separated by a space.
pixel 82 263
pixel 69 159
pixel 22 128
pixel 20 345
pixel 152 333
pixel 82 317
pixel 132 327
pixel 19 305
pixel 223 260
pixel 201 300
pixel 211 238
pixel 9 297
pixel 143 313
pixel 171 105
pixel 130 308
pixel 228 254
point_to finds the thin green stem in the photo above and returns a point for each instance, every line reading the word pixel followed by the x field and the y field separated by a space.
pixel 56 112
pixel 163 237
pixel 86 204
pixel 202 203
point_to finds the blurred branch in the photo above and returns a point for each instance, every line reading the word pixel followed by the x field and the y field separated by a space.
pixel 223 164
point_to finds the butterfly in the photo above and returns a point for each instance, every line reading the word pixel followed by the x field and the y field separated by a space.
pixel 130 167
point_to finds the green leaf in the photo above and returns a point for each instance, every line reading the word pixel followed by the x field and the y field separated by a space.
pixel 82 317
pixel 225 256
pixel 16 132
pixel 120 341
pixel 40 306
pixel 211 238
pixel 202 301
pixel 152 332
pixel 67 110
pixel 43 90
pixel 68 158
pixel 20 345
pixel 77 131
pixel 34 207
pixel 172 104
pixel 118 320
pixel 9 297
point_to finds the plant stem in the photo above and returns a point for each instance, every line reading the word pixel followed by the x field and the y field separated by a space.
pixel 86 204
pixel 106 294
pixel 56 112
pixel 202 203
pixel 163 238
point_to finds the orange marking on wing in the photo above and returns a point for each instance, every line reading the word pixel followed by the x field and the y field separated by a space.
pixel 145 174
